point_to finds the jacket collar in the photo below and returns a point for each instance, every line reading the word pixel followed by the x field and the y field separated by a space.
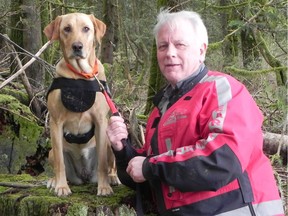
pixel 181 88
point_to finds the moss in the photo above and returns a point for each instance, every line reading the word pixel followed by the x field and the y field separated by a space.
pixel 88 194
pixel 7 205
pixel 124 210
pixel 40 204
pixel 11 104
pixel 20 95
pixel 19 134
pixel 77 209
pixel 2 189
pixel 39 200
pixel 25 204
pixel 24 178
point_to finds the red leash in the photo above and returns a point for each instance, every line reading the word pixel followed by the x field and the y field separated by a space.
pixel 110 103
pixel 115 112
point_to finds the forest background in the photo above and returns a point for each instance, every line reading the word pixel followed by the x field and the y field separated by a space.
pixel 247 39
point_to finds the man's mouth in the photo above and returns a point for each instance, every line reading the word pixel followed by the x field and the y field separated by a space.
pixel 171 65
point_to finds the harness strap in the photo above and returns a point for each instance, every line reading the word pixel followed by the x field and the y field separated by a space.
pixel 80 138
pixel 79 84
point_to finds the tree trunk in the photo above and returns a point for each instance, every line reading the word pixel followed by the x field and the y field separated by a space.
pixel 250 53
pixel 16 32
pixel 32 40
pixel 108 42
pixel 230 46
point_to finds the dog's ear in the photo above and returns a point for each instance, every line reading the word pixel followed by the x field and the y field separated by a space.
pixel 52 30
pixel 100 28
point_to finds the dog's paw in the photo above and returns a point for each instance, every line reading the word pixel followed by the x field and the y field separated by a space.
pixel 51 183
pixel 114 180
pixel 104 190
pixel 60 190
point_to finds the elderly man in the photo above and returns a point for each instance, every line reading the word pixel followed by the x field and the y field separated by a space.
pixel 203 151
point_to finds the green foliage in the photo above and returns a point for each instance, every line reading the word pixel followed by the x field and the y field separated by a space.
pixel 235 24
pixel 122 81
pixel 270 98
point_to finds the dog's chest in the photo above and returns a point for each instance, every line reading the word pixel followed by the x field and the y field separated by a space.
pixel 77 101
pixel 76 95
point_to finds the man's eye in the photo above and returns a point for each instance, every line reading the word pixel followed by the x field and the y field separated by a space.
pixel 67 29
pixel 180 45
pixel 162 47
pixel 86 29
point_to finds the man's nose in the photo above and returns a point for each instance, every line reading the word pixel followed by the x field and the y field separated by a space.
pixel 171 50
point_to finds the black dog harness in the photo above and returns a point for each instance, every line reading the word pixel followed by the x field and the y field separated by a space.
pixel 77 96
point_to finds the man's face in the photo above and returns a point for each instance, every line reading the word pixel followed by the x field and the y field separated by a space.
pixel 179 53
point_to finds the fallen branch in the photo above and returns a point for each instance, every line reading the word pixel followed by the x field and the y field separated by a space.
pixel 275 144
pixel 28 87
pixel 7 39
pixel 25 66
pixel 17 185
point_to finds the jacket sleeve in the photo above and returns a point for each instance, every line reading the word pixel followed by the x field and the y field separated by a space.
pixel 229 123
pixel 122 159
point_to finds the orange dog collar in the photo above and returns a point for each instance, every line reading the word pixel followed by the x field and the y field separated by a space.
pixel 82 73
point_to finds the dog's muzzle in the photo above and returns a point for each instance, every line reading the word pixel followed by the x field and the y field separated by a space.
pixel 77 49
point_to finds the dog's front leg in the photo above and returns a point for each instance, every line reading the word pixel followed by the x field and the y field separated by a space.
pixel 59 182
pixel 104 187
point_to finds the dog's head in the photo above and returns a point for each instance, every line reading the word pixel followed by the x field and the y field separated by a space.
pixel 78 34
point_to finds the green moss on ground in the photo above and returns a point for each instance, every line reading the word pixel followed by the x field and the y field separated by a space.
pixel 38 200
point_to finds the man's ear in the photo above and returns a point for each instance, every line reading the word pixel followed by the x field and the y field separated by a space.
pixel 52 30
pixel 203 50
pixel 100 28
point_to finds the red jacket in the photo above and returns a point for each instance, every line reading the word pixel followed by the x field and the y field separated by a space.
pixel 205 153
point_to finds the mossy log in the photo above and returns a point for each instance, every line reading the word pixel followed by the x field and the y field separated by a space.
pixel 24 195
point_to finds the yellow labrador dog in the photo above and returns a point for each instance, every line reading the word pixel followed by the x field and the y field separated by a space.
pixel 81 152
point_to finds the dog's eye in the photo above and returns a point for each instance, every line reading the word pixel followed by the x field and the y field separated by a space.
pixel 86 29
pixel 67 29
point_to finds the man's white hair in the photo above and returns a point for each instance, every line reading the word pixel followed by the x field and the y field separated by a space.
pixel 165 17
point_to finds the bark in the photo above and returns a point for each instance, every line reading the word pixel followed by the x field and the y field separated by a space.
pixel 32 40
pixel 230 46
pixel 250 54
pixel 108 42
pixel 16 32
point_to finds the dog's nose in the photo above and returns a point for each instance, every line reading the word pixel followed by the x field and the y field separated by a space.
pixel 77 46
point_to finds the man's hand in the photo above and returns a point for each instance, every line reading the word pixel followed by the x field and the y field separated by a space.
pixel 116 131
pixel 134 169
